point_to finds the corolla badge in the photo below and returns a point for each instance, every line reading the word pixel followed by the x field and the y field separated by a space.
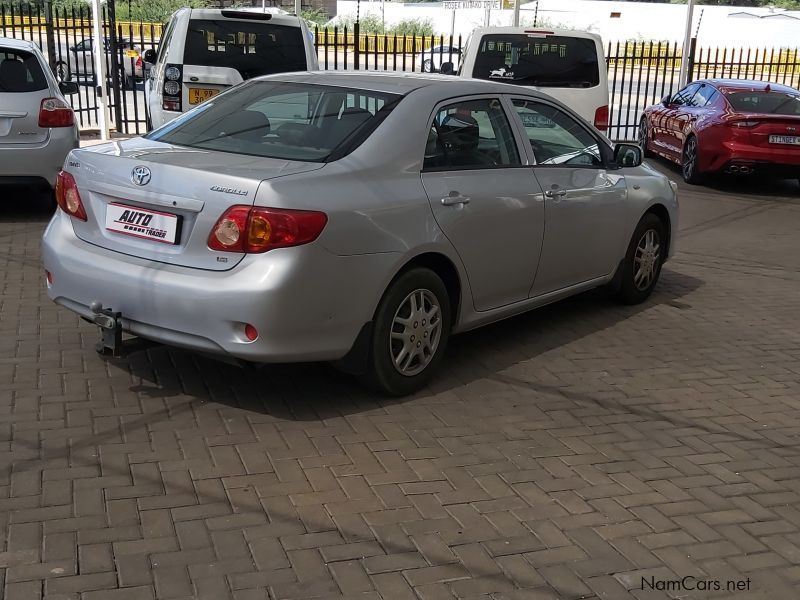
pixel 140 175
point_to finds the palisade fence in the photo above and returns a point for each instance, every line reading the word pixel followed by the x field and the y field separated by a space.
pixel 639 73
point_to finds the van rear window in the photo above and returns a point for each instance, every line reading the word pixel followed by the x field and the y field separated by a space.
pixel 252 48
pixel 552 61
pixel 20 71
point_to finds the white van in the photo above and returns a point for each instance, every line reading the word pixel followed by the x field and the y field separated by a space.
pixel 567 65
pixel 204 51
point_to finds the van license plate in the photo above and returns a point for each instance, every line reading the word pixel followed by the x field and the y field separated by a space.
pixel 792 140
pixel 143 223
pixel 198 95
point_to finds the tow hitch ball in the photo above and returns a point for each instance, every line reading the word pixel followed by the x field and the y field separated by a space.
pixel 110 324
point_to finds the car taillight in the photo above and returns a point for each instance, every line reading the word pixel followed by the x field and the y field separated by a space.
pixel 54 112
pixel 601 118
pixel 743 124
pixel 173 87
pixel 255 229
pixel 138 62
pixel 67 196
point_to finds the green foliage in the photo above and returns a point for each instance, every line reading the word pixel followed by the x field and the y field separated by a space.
pixel 413 27
pixel 154 11
pixel 794 4
pixel 372 23
pixel 314 17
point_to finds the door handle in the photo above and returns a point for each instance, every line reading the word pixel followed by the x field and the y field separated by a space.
pixel 454 198
pixel 555 193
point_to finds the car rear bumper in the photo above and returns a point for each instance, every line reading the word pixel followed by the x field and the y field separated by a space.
pixel 306 303
pixel 757 159
pixel 38 161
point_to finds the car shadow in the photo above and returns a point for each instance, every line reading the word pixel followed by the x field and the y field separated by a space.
pixel 25 204
pixel 315 391
pixel 751 185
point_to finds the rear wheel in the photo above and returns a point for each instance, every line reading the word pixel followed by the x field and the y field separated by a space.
pixel 689 168
pixel 62 71
pixel 427 66
pixel 644 136
pixel 642 265
pixel 412 326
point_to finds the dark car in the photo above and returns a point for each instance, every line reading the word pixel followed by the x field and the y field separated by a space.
pixel 735 127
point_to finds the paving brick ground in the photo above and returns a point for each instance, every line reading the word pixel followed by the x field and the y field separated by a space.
pixel 574 452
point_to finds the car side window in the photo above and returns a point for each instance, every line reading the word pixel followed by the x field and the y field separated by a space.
pixel 471 134
pixel 556 138
pixel 684 95
pixel 704 96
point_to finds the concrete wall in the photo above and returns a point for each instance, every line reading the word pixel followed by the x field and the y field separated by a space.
pixel 720 25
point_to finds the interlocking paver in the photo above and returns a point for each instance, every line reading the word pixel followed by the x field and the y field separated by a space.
pixel 567 453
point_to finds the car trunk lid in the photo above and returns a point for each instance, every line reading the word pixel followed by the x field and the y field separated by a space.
pixel 190 188
pixel 19 118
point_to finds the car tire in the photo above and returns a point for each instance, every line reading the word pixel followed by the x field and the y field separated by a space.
pixel 640 269
pixel 414 310
pixel 689 157
pixel 62 72
pixel 427 66
pixel 644 133
pixel 128 83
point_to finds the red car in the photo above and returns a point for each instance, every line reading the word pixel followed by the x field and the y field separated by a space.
pixel 737 127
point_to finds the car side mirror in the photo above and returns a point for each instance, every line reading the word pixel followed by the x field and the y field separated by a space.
pixel 666 100
pixel 68 87
pixel 447 68
pixel 149 56
pixel 628 155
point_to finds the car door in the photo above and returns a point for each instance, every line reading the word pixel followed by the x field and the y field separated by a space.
pixel 584 201
pixel 485 198
pixel 676 119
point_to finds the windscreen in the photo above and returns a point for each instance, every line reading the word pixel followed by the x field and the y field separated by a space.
pixel 20 71
pixel 769 103
pixel 551 61
pixel 274 119
pixel 252 48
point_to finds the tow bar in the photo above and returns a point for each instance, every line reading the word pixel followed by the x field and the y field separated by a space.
pixel 110 324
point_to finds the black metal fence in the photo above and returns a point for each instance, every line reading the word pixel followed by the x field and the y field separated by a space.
pixel 639 73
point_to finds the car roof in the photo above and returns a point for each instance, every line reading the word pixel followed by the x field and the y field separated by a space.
pixel 398 82
pixel 17 44
pixel 746 85
pixel 279 18
pixel 541 30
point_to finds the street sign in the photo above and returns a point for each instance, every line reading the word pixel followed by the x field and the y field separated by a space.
pixel 461 4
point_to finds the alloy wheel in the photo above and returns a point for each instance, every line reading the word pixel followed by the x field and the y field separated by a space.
pixel 415 333
pixel 690 159
pixel 427 66
pixel 646 259
pixel 643 135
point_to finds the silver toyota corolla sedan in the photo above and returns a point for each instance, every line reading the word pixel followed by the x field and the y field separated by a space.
pixel 354 218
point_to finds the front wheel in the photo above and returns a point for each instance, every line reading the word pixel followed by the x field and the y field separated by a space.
pixel 642 264
pixel 689 162
pixel 427 66
pixel 411 329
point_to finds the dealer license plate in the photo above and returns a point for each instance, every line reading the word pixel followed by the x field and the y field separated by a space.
pixel 198 95
pixel 792 140
pixel 142 223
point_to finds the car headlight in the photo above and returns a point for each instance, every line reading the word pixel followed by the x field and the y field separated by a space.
pixel 172 88
pixel 172 73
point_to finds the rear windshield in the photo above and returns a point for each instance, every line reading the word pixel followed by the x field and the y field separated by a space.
pixel 274 119
pixel 20 71
pixel 552 61
pixel 770 103
pixel 252 48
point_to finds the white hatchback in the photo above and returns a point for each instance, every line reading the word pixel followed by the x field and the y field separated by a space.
pixel 567 65
pixel 205 51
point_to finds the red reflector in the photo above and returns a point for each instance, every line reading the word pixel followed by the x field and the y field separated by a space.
pixel 601 118
pixel 172 104
pixel 250 332
pixel 54 112
pixel 67 196
pixel 256 229
pixel 49 276
pixel 139 62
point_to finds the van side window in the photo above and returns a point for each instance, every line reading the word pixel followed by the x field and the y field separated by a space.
pixel 165 40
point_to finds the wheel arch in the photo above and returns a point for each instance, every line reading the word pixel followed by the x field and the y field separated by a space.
pixel 660 211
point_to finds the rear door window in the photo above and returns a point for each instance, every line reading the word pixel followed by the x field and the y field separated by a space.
pixel 552 61
pixel 20 71
pixel 252 48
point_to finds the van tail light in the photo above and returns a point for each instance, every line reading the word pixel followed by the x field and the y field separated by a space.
pixel 67 196
pixel 255 229
pixel 172 88
pixel 54 112
pixel 601 118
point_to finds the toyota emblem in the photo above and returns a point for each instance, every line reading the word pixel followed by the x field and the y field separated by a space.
pixel 140 175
